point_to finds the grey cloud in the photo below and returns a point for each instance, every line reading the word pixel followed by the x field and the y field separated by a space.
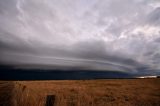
pixel 157 40
pixel 8 7
pixel 156 58
pixel 106 34
pixel 154 17
pixel 9 42
pixel 98 50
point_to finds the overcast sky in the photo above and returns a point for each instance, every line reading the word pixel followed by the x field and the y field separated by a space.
pixel 122 35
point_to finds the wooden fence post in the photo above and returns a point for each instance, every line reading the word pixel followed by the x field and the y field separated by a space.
pixel 50 100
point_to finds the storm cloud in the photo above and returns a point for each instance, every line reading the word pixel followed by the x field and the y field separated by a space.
pixel 122 35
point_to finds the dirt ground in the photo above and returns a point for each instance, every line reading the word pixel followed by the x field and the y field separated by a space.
pixel 110 92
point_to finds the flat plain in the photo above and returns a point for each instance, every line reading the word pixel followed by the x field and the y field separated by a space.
pixel 107 92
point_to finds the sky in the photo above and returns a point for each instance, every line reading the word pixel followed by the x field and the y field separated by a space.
pixel 121 35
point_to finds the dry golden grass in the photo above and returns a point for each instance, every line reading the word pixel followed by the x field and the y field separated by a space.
pixel 116 92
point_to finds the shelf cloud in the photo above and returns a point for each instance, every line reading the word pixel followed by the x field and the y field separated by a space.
pixel 90 34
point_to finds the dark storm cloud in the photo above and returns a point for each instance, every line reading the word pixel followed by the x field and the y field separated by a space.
pixel 104 35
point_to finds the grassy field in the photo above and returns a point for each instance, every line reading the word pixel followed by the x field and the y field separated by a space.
pixel 116 92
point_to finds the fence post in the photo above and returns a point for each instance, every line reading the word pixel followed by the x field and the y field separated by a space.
pixel 50 100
